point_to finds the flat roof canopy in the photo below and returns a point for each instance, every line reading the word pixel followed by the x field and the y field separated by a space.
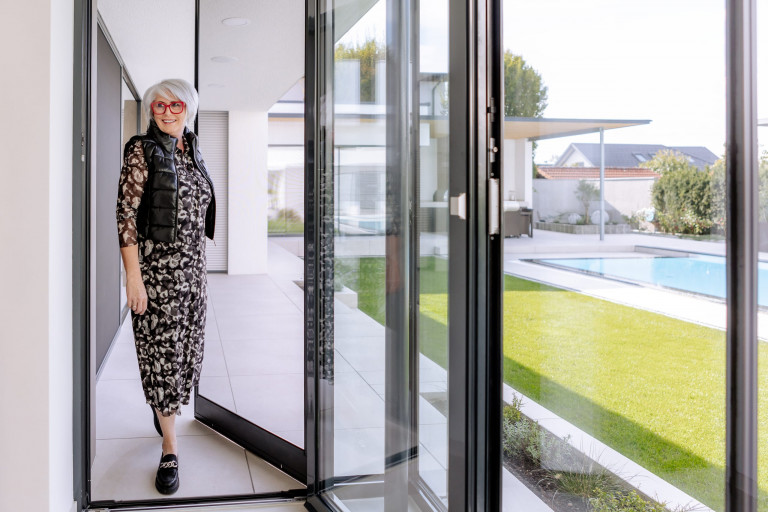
pixel 538 128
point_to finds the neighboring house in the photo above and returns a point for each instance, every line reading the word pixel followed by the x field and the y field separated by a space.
pixel 629 155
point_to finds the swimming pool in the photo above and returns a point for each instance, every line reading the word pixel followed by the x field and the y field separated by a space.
pixel 701 274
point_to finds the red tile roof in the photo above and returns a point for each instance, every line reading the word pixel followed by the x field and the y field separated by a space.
pixel 584 173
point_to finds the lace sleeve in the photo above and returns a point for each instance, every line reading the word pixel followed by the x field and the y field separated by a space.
pixel 133 177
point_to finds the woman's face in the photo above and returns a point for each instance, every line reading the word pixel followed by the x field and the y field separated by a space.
pixel 168 122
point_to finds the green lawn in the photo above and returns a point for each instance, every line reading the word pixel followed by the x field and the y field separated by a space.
pixel 284 226
pixel 649 386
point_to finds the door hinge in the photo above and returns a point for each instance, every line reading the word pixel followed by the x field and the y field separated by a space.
pixel 492 110
pixel 493 206
pixel 492 149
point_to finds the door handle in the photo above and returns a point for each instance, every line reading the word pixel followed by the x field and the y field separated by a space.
pixel 459 206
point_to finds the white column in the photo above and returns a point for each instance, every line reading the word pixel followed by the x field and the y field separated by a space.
pixel 510 170
pixel 36 232
pixel 526 157
pixel 247 236
pixel 518 171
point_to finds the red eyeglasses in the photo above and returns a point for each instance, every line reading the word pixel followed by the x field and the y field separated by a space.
pixel 177 107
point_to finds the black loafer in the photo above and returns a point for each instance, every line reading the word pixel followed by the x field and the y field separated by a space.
pixel 167 479
pixel 157 421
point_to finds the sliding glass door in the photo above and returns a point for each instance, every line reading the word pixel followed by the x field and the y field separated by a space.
pixel 401 238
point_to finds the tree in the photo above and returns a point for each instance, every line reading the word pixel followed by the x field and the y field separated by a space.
pixel 666 161
pixel 525 94
pixel 369 54
pixel 587 192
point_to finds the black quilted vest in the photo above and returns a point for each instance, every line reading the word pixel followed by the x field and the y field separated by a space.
pixel 158 212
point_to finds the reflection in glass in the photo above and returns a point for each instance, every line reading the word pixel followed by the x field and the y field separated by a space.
pixel 390 245
pixel 252 130
pixel 614 369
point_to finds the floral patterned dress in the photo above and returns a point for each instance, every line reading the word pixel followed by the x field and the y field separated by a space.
pixel 170 335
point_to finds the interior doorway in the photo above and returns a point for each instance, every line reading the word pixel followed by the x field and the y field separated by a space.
pixel 243 433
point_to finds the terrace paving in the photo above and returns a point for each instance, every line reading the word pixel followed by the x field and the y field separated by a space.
pixel 122 428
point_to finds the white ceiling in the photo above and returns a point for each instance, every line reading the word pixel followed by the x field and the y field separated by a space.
pixel 156 40
pixel 270 52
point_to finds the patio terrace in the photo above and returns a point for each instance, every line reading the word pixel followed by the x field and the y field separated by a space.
pixel 254 354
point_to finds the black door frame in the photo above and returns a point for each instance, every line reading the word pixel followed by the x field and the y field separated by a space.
pixel 85 26
pixel 474 483
pixel 476 332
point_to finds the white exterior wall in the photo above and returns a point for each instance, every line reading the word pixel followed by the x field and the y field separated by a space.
pixel 286 130
pixel 247 193
pixel 556 197
pixel 518 171
pixel 36 306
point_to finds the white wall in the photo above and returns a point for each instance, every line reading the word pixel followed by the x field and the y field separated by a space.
pixel 286 130
pixel 36 231
pixel 625 196
pixel 247 193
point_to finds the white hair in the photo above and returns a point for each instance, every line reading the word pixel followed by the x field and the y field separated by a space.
pixel 175 88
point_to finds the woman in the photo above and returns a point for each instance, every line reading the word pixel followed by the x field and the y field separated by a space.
pixel 165 209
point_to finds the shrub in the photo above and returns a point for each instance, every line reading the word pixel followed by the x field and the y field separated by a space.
pixel 588 480
pixel 683 201
pixel 623 502
pixel 525 440
pixel 562 468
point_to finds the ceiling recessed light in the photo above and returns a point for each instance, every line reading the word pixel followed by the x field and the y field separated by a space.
pixel 235 22
pixel 224 59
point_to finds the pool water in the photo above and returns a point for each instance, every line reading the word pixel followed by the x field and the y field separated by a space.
pixel 701 274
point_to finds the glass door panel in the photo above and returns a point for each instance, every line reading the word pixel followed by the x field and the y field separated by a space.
pixel 614 322
pixel 386 169
pixel 251 130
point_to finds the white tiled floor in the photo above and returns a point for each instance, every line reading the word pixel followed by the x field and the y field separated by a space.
pixel 247 358
pixel 255 352
pixel 254 366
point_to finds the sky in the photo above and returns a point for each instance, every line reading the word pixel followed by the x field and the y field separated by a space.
pixel 660 60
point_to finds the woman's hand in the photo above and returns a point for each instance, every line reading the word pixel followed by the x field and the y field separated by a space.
pixel 134 286
pixel 137 294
